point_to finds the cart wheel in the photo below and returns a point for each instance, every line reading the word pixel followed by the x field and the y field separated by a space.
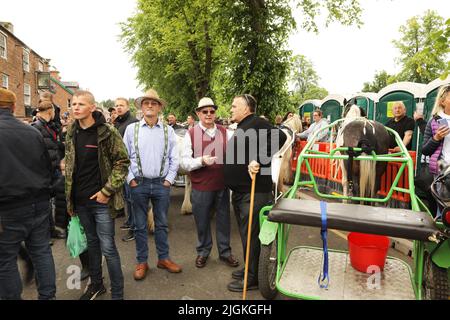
pixel 268 270
pixel 435 281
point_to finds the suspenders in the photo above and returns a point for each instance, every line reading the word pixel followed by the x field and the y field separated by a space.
pixel 136 149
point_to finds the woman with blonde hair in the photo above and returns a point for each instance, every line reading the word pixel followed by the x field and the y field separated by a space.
pixel 436 141
pixel 436 147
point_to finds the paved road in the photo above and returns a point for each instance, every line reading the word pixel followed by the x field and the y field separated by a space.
pixel 193 283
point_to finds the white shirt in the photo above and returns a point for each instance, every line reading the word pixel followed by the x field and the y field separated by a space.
pixel 188 163
pixel 446 147
pixel 309 133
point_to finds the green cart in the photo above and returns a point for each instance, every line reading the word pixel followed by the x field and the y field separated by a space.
pixel 298 273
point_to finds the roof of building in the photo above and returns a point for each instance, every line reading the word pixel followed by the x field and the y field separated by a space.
pixel 9 34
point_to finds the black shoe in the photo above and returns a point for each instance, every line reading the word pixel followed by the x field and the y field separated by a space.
pixel 238 286
pixel 93 291
pixel 84 274
pixel 238 274
pixel 56 234
pixel 129 236
pixel 125 227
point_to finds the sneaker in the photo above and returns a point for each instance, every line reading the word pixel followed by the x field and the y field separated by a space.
pixel 93 291
pixel 125 227
pixel 129 236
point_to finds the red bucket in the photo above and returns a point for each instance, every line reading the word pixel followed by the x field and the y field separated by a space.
pixel 367 250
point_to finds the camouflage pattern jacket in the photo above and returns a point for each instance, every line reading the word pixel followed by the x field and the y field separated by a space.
pixel 113 162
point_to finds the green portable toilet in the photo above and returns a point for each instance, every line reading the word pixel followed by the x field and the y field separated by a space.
pixel 307 107
pixel 425 107
pixel 367 101
pixel 410 93
pixel 430 92
pixel 332 107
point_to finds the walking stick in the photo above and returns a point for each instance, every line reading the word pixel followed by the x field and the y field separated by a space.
pixel 249 233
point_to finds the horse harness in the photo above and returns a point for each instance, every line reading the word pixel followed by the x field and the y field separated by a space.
pixel 366 148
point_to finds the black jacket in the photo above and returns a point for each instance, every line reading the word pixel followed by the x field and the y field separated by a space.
pixel 55 147
pixel 254 139
pixel 25 167
pixel 122 122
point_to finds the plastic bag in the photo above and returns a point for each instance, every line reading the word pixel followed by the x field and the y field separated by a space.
pixel 76 239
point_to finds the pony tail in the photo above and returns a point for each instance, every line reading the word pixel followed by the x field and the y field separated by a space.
pixel 367 178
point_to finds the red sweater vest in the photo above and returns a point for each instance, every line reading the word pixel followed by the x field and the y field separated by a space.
pixel 208 178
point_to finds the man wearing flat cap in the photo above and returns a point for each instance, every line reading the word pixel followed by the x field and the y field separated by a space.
pixel 203 156
pixel 26 177
pixel 151 145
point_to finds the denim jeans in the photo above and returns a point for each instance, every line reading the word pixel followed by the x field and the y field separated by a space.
pixel 151 190
pixel 129 205
pixel 203 204
pixel 29 224
pixel 99 227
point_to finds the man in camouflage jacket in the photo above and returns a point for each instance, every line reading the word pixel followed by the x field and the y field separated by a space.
pixel 96 168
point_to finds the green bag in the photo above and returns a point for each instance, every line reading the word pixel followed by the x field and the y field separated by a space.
pixel 76 239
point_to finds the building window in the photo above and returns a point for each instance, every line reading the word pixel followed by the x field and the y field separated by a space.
pixel 27 94
pixel 5 81
pixel 26 60
pixel 40 66
pixel 3 46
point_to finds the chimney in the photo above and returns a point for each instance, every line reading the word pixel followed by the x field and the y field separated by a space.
pixel 55 75
pixel 8 26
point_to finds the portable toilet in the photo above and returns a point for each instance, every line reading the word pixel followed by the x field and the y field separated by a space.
pixel 425 107
pixel 332 107
pixel 367 101
pixel 410 93
pixel 307 107
pixel 430 93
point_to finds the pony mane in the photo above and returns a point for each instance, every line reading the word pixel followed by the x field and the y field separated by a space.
pixel 353 112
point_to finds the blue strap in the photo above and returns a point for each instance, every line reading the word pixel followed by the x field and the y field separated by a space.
pixel 324 279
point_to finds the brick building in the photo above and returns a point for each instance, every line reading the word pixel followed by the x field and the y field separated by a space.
pixel 26 73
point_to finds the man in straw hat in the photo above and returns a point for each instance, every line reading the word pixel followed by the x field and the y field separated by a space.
pixel 252 146
pixel 203 156
pixel 26 177
pixel 152 148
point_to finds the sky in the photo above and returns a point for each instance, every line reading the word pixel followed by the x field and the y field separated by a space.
pixel 81 39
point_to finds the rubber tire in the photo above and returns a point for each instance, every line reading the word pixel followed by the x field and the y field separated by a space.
pixel 435 281
pixel 267 270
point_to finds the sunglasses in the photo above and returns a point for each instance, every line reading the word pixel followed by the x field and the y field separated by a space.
pixel 209 111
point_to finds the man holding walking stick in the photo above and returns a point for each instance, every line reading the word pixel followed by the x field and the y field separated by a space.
pixel 249 152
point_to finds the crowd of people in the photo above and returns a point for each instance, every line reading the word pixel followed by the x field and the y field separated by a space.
pixel 82 165
pixel 96 170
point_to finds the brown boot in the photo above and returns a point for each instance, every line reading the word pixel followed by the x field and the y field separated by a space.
pixel 141 271
pixel 169 266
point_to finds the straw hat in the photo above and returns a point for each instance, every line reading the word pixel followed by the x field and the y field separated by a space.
pixel 152 95
pixel 205 102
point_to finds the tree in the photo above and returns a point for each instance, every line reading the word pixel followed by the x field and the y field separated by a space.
pixel 421 58
pixel 221 48
pixel 441 40
pixel 304 80
pixel 381 80
pixel 257 32
pixel 174 46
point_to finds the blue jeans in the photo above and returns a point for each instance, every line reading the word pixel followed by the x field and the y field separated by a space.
pixel 99 227
pixel 129 204
pixel 151 190
pixel 29 224
pixel 203 203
